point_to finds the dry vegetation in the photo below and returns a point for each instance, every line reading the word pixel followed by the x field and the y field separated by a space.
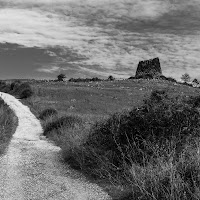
pixel 8 124
pixel 140 135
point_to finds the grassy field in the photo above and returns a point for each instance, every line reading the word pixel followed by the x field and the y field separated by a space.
pixel 97 126
pixel 8 124
pixel 99 99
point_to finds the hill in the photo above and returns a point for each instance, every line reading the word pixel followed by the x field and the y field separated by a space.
pixel 100 98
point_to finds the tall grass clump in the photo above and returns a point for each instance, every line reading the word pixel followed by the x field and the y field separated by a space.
pixel 153 149
pixel 56 124
pixel 65 131
pixel 8 123
pixel 49 112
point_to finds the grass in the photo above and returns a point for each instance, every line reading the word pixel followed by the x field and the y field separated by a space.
pixel 98 99
pixel 8 124
pixel 149 149
pixel 153 150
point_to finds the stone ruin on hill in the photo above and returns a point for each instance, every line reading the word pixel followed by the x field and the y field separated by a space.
pixel 149 68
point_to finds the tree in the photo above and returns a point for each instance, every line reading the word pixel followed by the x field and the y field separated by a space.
pixel 185 77
pixel 61 77
pixel 111 78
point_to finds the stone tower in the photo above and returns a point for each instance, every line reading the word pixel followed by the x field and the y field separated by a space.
pixel 149 67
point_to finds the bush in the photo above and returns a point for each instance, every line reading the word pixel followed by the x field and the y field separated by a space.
pixel 111 78
pixel 194 101
pixel 153 148
pixel 47 113
pixel 23 90
pixel 61 77
pixel 133 137
pixel 15 85
pixel 26 93
pixel 8 124
pixel 195 81
pixel 62 122
pixel 4 87
pixel 168 78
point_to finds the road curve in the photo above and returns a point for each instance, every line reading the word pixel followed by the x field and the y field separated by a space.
pixel 32 169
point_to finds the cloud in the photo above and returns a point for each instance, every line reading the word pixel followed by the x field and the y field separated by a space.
pixel 107 36
pixel 51 70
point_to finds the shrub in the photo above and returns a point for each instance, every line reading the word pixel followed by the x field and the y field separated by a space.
pixel 168 78
pixel 47 113
pixel 15 84
pixel 8 124
pixel 26 93
pixel 194 101
pixel 71 80
pixel 153 148
pixel 59 123
pixel 136 136
pixel 195 81
pixel 4 87
pixel 157 96
pixel 111 78
pixel 61 77
pixel 24 90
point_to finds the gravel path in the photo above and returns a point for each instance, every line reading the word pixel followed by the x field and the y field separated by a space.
pixel 32 168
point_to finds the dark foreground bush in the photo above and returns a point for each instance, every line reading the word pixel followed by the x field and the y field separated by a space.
pixel 159 121
pixel 60 123
pixel 153 149
pixel 8 124
pixel 194 101
pixel 48 113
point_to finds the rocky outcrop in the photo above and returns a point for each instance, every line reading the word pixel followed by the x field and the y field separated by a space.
pixel 149 68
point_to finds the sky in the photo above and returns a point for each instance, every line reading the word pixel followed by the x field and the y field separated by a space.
pixel 91 38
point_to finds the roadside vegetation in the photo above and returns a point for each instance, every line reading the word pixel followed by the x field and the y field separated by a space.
pixel 8 124
pixel 17 88
pixel 139 135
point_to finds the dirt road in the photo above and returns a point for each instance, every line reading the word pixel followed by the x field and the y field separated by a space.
pixel 32 168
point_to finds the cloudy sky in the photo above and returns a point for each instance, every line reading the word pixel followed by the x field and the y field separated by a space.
pixel 87 38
